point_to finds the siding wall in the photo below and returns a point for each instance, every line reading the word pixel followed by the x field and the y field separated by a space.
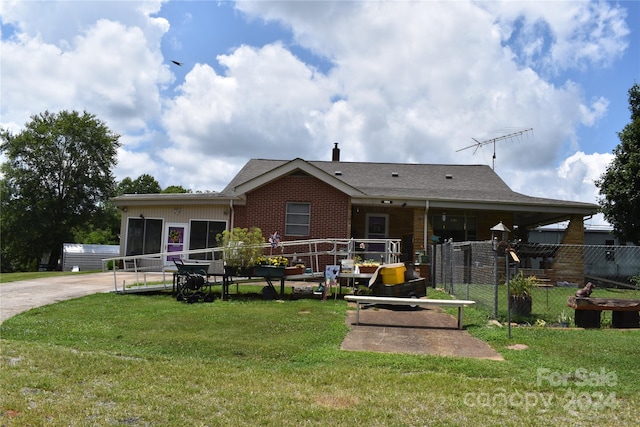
pixel 173 214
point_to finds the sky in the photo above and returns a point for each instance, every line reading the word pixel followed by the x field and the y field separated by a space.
pixel 389 81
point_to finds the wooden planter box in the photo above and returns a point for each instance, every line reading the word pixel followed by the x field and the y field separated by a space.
pixel 292 271
pixel 367 269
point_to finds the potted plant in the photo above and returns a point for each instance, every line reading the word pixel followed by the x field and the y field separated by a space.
pixel 241 249
pixel 564 319
pixel 520 294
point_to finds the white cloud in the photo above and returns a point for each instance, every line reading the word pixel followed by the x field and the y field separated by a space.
pixel 196 172
pixel 109 69
pixel 59 22
pixel 410 81
pixel 103 58
pixel 429 76
pixel 265 104
pixel 574 179
pixel 593 113
pixel 555 36
pixel 134 163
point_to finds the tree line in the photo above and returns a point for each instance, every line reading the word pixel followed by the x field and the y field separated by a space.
pixel 56 185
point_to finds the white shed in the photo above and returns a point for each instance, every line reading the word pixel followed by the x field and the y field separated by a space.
pixel 86 257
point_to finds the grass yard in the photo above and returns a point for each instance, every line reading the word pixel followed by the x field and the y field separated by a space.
pixel 110 359
pixel 548 303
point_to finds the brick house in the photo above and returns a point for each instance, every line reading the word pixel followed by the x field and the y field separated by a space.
pixel 301 199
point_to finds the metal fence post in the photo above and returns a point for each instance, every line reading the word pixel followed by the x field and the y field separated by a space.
pixel 494 244
pixel 451 266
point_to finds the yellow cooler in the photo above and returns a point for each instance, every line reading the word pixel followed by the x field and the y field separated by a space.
pixel 393 275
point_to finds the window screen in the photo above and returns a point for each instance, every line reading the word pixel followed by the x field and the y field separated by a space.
pixel 298 219
pixel 144 236
pixel 203 236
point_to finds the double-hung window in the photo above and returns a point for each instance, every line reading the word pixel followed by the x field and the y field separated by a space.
pixel 297 219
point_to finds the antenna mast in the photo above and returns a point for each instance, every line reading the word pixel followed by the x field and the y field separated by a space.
pixel 479 144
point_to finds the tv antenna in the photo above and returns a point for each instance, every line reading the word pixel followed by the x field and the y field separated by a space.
pixel 480 143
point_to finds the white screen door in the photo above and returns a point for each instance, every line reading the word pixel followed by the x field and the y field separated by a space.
pixel 175 241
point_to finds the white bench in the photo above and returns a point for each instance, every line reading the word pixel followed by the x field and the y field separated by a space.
pixel 365 299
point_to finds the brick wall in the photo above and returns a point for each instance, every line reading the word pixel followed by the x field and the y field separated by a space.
pixel 568 264
pixel 266 207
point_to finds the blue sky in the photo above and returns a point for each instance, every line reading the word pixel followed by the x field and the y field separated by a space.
pixel 389 81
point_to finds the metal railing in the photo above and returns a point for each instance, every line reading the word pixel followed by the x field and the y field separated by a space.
pixel 314 253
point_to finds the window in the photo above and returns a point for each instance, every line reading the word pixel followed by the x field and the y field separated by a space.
pixel 203 236
pixel 298 219
pixel 460 228
pixel 144 236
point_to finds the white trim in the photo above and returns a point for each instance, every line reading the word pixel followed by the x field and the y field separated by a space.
pixel 293 165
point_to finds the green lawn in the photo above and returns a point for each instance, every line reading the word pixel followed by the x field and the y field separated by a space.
pixel 110 359
pixel 548 303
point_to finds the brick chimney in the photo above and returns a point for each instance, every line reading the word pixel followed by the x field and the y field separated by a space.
pixel 335 154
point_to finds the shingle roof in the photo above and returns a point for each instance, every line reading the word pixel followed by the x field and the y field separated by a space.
pixel 459 183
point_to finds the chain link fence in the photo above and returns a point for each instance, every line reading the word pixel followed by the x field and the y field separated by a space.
pixel 477 271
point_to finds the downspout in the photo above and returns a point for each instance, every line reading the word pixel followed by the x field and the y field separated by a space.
pixel 232 215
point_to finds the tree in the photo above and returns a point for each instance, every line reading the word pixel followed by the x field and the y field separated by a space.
pixel 620 184
pixel 176 189
pixel 102 229
pixel 57 176
pixel 144 184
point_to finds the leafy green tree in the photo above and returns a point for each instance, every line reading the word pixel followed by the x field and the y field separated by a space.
pixel 92 235
pixel 102 229
pixel 57 177
pixel 620 184
pixel 176 189
pixel 144 184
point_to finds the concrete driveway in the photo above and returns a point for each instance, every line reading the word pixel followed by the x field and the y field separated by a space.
pixel 16 297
